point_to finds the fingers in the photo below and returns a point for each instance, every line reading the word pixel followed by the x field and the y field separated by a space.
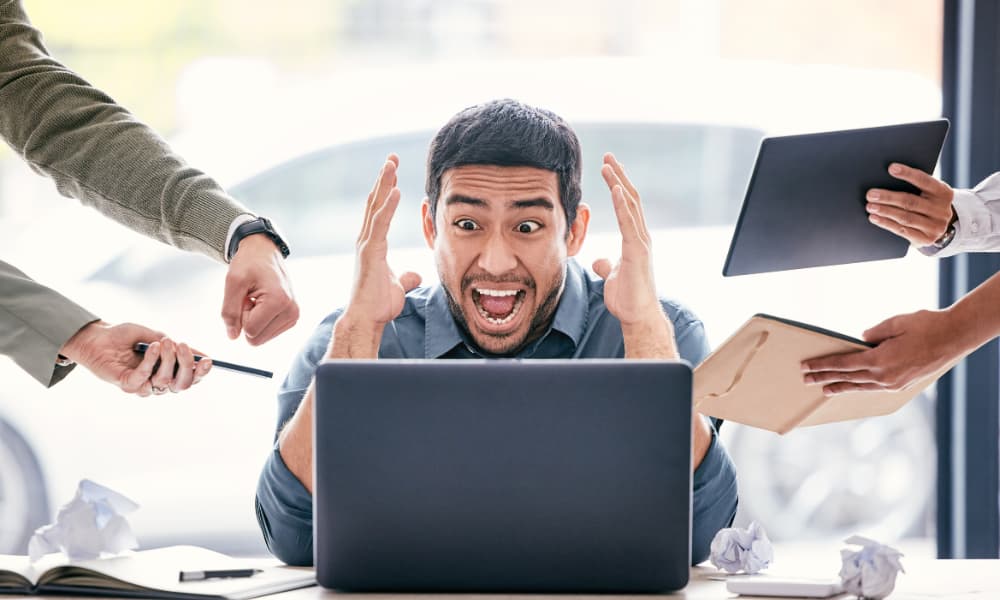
pixel 164 374
pixel 930 227
pixel 409 280
pixel 602 267
pixel 232 304
pixel 883 331
pixel 627 222
pixel 631 192
pixel 916 237
pixel 844 387
pixel 922 181
pixel 850 361
pixel 383 217
pixel 201 369
pixel 258 293
pixel 920 218
pixel 901 200
pixel 136 381
pixel 185 369
pixel 610 171
pixel 272 312
pixel 826 377
pixel 619 170
pixel 274 324
pixel 384 185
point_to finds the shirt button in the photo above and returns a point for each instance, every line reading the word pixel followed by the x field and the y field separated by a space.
pixel 974 227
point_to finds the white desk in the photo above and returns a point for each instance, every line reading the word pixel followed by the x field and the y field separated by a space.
pixel 925 579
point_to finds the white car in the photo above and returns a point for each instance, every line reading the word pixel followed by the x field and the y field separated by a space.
pixel 192 460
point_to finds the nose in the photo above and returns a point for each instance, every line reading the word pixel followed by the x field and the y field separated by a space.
pixel 497 257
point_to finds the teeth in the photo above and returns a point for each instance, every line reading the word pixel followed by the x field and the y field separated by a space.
pixel 508 318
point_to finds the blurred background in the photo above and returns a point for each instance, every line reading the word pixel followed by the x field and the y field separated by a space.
pixel 293 107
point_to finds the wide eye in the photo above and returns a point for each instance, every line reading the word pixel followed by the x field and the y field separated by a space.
pixel 528 227
pixel 467 224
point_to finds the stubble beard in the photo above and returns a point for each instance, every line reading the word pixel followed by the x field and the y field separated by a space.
pixel 540 321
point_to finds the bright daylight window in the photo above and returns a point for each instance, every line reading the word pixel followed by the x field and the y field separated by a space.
pixel 294 108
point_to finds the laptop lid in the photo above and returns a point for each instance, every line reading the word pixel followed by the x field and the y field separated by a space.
pixel 805 202
pixel 502 475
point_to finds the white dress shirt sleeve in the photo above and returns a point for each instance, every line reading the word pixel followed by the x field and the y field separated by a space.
pixel 978 226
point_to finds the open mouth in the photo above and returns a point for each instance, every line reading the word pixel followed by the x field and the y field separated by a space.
pixel 498 307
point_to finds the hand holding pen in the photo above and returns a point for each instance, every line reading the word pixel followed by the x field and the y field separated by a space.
pixel 106 350
pixel 142 347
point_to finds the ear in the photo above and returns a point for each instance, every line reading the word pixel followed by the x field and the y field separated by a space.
pixel 578 229
pixel 428 221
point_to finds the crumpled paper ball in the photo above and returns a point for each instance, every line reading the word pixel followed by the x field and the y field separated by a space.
pixel 735 549
pixel 870 572
pixel 88 525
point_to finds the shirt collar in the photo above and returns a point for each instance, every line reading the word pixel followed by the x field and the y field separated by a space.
pixel 571 315
pixel 441 330
pixel 442 333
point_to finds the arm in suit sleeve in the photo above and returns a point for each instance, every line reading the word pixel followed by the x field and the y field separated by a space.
pixel 35 322
pixel 97 152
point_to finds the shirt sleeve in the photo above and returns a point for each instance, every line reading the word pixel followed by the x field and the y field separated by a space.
pixel 978 226
pixel 714 489
pixel 715 498
pixel 283 505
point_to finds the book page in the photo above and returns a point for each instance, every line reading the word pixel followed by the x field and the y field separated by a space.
pixel 15 573
pixel 158 570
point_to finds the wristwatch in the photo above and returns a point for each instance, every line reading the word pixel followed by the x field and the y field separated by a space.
pixel 947 236
pixel 258 225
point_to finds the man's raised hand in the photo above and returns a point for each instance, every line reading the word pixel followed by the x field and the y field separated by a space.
pixel 629 287
pixel 377 296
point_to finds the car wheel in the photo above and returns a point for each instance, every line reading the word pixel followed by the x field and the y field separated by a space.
pixel 24 505
pixel 875 476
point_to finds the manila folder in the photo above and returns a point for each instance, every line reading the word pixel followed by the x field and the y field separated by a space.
pixel 755 378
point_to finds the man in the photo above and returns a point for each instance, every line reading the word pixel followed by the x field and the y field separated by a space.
pixel 97 152
pixel 503 217
pixel 941 222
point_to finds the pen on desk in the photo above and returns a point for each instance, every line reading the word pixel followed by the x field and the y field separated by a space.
pixel 201 575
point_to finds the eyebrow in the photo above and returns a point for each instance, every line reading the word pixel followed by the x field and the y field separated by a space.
pixel 519 204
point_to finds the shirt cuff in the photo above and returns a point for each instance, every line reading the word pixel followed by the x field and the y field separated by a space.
pixel 973 225
pixel 239 220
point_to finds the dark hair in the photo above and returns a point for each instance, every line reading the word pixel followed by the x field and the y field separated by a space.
pixel 511 134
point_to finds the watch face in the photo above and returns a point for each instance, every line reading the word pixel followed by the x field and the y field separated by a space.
pixel 945 239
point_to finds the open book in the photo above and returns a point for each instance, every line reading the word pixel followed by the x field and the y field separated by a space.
pixel 146 574
pixel 754 378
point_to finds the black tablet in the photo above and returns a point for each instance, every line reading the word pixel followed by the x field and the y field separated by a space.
pixel 805 203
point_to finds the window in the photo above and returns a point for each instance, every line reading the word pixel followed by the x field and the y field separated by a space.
pixel 295 111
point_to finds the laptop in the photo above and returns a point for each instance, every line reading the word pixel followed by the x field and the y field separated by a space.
pixel 805 202
pixel 502 475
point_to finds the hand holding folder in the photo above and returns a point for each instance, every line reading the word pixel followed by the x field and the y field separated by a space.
pixel 755 378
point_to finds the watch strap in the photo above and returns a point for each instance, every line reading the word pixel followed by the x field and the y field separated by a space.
pixel 259 225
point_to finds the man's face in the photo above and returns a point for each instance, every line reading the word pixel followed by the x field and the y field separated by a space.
pixel 500 243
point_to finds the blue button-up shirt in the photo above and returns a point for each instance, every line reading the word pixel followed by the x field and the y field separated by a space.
pixel 582 328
